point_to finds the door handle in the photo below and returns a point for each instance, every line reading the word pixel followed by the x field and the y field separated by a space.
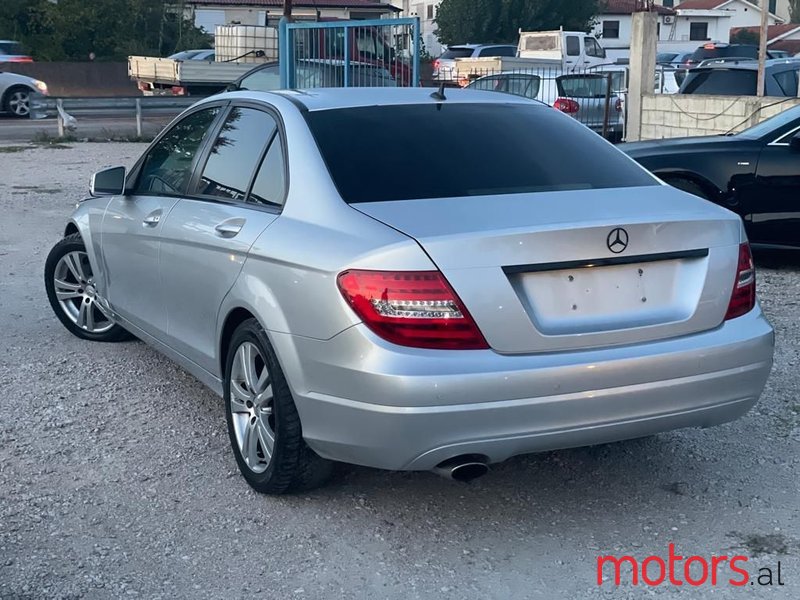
pixel 229 228
pixel 153 219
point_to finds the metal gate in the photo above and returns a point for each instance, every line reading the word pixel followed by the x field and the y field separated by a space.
pixel 376 53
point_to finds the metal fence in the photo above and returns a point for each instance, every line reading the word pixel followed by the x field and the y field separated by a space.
pixel 69 110
pixel 376 53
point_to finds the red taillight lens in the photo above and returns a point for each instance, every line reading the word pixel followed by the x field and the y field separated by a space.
pixel 436 64
pixel 178 90
pixel 411 308
pixel 743 298
pixel 567 105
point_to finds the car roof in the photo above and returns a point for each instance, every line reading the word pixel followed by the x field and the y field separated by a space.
pixel 750 64
pixel 334 98
pixel 476 46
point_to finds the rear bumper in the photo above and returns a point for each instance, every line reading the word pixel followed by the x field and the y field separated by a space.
pixel 367 402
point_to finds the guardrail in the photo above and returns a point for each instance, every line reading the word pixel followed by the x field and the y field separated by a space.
pixel 42 107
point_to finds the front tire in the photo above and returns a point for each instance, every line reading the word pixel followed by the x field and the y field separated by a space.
pixel 70 286
pixel 18 102
pixel 263 424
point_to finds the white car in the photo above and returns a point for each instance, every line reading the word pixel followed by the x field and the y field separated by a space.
pixel 15 93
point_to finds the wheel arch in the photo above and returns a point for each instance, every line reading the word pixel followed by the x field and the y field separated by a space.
pixel 712 190
pixel 71 229
pixel 233 319
pixel 12 89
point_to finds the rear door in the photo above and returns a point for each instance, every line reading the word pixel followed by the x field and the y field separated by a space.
pixel 236 194
pixel 133 224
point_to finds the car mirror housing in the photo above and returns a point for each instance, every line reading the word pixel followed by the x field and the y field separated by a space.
pixel 109 182
pixel 794 143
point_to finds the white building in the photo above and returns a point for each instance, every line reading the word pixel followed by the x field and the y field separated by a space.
pixel 426 10
pixel 210 13
pixel 743 13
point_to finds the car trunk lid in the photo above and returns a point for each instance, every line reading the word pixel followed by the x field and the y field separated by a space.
pixel 556 271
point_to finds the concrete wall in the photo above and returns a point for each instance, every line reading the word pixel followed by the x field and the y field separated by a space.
pixel 667 116
pixel 79 79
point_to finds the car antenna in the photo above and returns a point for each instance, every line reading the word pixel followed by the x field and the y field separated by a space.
pixel 439 94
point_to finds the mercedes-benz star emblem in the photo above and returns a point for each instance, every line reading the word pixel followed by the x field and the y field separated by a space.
pixel 617 240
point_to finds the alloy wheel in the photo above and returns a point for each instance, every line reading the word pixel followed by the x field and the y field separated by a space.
pixel 251 403
pixel 19 103
pixel 76 293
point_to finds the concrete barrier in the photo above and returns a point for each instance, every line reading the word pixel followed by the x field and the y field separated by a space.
pixel 74 79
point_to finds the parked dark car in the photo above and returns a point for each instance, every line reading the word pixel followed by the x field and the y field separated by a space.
pixel 755 173
pixel 714 50
pixel 740 78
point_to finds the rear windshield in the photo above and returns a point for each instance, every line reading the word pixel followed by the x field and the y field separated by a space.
pixel 725 82
pixel 702 54
pixel 457 53
pixel 583 86
pixel 454 150
pixel 11 48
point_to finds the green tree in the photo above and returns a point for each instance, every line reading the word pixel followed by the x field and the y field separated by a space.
pixel 490 21
pixel 111 29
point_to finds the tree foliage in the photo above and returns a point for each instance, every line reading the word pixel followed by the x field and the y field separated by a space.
pixel 111 29
pixel 490 21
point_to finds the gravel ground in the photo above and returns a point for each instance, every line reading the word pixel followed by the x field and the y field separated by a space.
pixel 116 479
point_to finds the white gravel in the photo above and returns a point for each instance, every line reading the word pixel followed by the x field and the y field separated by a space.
pixel 116 479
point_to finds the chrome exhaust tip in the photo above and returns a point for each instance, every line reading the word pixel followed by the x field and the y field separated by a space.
pixel 462 468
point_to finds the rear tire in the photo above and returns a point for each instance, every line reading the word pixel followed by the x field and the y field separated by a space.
pixel 70 286
pixel 688 186
pixel 264 427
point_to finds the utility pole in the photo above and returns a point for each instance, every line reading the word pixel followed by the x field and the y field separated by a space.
pixel 762 53
pixel 287 9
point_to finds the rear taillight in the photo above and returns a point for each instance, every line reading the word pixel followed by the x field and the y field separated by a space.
pixel 567 105
pixel 178 90
pixel 436 64
pixel 411 308
pixel 743 298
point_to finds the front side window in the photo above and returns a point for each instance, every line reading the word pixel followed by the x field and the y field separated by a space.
pixel 167 168
pixel 593 48
pixel 235 154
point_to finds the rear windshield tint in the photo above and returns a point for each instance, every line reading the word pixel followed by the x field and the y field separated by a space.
pixel 702 54
pixel 583 86
pixel 457 53
pixel 724 82
pixel 408 152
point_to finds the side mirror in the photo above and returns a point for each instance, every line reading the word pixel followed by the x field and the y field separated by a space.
pixel 794 143
pixel 109 182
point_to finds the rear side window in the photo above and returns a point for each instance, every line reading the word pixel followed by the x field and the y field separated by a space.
pixel 167 168
pixel 457 53
pixel 235 154
pixel 269 187
pixel 787 80
pixel 724 82
pixel 499 51
pixel 491 149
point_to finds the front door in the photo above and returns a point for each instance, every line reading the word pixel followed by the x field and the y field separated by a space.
pixel 771 211
pixel 132 225
pixel 236 196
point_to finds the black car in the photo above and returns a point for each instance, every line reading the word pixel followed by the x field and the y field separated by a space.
pixel 755 173
pixel 740 78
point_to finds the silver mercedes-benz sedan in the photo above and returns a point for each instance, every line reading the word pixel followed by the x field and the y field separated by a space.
pixel 411 281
